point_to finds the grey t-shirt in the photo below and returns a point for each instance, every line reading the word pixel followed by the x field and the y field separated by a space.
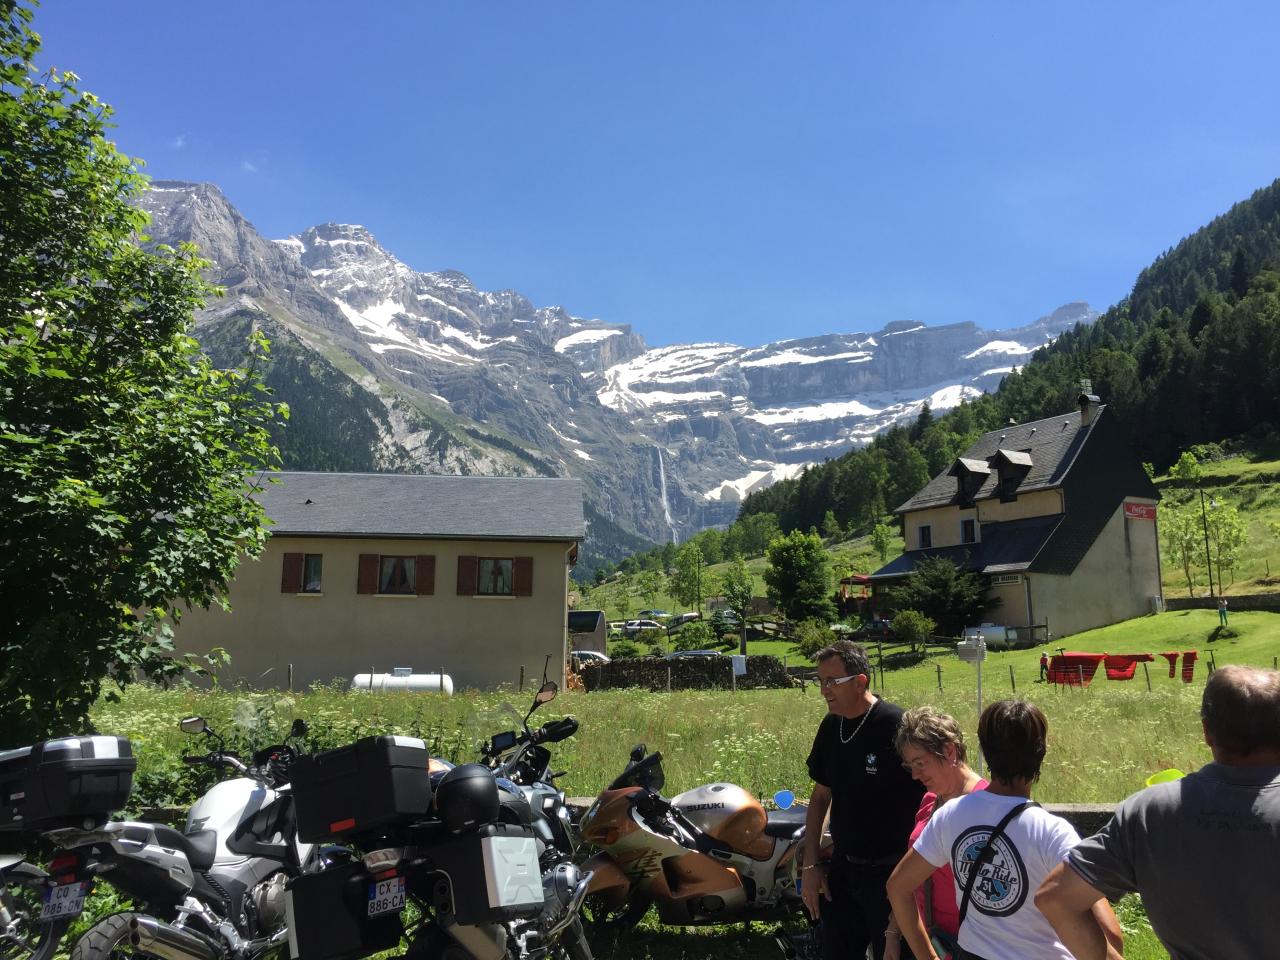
pixel 1204 852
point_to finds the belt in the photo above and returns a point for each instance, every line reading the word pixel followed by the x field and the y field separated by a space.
pixel 889 861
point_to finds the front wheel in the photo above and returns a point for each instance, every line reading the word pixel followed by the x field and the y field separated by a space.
pixel 23 936
pixel 108 939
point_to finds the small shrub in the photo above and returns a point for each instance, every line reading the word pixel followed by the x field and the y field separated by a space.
pixel 913 627
pixel 623 649
pixel 811 636
pixel 694 636
pixel 653 641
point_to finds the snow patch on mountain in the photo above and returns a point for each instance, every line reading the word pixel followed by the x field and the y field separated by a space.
pixel 1006 347
pixel 737 490
pixel 584 336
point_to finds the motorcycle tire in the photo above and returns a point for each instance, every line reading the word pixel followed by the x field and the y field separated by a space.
pixel 31 939
pixel 108 939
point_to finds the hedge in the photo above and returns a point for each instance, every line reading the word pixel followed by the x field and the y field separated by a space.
pixel 687 673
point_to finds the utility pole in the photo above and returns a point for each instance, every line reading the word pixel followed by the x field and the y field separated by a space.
pixel 1208 558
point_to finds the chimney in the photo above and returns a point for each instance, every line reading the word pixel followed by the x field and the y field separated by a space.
pixel 1089 405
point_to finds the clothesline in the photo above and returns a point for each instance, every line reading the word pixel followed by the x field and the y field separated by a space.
pixel 1078 669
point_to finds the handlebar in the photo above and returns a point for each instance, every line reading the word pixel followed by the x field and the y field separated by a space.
pixel 218 758
pixel 555 731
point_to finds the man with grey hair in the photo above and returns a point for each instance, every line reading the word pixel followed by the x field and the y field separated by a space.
pixel 1199 850
pixel 858 776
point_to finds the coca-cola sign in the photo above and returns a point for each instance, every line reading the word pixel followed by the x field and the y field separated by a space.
pixel 1139 511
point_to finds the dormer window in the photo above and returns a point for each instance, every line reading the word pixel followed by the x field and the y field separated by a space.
pixel 970 476
pixel 1012 467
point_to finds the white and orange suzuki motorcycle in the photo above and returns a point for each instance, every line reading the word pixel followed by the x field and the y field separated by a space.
pixel 711 855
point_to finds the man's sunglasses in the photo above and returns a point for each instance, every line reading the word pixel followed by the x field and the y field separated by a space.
pixel 836 681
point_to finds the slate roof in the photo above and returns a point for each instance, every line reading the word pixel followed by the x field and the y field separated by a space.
pixel 1010 546
pixel 1096 471
pixel 1052 445
pixel 416 505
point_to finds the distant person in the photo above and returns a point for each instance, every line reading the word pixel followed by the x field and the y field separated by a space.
pixel 1000 846
pixel 933 750
pixel 1044 667
pixel 873 800
pixel 1222 611
pixel 1199 850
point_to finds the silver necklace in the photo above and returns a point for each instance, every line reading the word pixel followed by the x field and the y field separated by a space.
pixel 849 739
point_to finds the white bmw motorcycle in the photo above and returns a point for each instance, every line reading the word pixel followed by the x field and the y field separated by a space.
pixel 216 890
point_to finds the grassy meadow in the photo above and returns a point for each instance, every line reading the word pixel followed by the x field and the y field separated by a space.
pixel 1247 480
pixel 1104 741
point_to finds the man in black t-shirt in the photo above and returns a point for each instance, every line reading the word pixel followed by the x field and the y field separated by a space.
pixel 873 801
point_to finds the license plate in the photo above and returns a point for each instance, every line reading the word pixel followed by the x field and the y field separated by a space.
pixel 386 896
pixel 65 900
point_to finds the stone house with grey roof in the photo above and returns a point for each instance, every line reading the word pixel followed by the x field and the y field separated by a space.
pixel 363 572
pixel 1058 513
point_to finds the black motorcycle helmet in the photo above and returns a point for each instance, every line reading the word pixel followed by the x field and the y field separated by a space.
pixel 467 797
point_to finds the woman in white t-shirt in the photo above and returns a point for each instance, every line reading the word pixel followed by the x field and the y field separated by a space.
pixel 1001 921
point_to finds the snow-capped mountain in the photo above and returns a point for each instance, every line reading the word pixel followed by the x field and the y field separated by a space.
pixel 386 367
pixel 802 401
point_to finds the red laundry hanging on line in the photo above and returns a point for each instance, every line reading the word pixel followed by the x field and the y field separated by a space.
pixel 1172 657
pixel 1123 666
pixel 1074 669
pixel 1189 665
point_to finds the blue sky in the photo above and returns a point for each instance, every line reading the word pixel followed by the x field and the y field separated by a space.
pixel 713 170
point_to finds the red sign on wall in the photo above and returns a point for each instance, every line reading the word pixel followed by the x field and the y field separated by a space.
pixel 1140 511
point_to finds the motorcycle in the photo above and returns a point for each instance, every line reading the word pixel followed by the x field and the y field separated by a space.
pixel 475 854
pixel 215 890
pixel 711 855
pixel 65 785
pixel 28 929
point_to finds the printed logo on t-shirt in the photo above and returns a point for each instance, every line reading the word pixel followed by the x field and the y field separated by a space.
pixel 871 763
pixel 1001 887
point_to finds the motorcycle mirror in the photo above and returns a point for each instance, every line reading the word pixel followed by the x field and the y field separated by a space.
pixel 637 753
pixel 785 799
pixel 193 725
pixel 547 692
pixel 299 728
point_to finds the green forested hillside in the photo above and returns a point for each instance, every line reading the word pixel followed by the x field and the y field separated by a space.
pixel 1191 356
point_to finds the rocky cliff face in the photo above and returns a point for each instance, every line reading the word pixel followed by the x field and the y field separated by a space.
pixel 432 374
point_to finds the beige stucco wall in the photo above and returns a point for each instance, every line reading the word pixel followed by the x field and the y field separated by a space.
pixel 1038 503
pixel 1012 610
pixel 478 641
pixel 945 521
pixel 1115 581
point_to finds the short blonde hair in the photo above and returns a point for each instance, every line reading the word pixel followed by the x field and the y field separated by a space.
pixel 931 730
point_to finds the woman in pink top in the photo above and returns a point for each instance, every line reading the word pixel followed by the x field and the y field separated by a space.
pixel 932 748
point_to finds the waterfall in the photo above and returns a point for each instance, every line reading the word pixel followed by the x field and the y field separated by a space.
pixel 666 506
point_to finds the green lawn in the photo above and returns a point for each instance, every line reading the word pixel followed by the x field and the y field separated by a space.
pixel 1104 741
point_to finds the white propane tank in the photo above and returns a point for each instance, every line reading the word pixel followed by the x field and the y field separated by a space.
pixel 417 682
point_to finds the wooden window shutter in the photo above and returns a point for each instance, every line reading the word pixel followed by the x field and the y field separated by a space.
pixel 291 574
pixel 425 574
pixel 522 577
pixel 367 575
pixel 467 576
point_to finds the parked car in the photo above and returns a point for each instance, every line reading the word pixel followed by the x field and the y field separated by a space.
pixel 580 658
pixel 875 629
pixel 687 617
pixel 653 615
pixel 632 627
pixel 677 654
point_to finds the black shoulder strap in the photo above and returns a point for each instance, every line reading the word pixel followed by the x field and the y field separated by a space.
pixel 985 854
